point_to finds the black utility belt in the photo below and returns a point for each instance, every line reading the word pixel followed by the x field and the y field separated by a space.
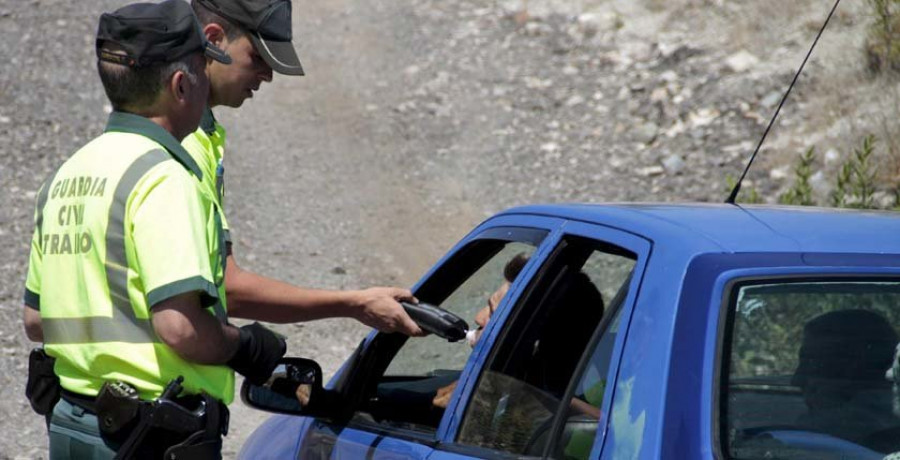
pixel 89 403
pixel 119 411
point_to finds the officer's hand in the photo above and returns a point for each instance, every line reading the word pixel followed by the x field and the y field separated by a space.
pixel 380 308
pixel 258 353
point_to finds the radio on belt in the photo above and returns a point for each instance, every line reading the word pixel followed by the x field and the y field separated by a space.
pixel 437 321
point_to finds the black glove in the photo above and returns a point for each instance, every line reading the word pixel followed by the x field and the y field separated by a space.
pixel 258 353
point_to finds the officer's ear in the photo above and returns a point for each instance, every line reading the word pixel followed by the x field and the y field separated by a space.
pixel 180 86
pixel 215 34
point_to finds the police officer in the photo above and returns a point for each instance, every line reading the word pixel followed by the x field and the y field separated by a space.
pixel 257 35
pixel 125 282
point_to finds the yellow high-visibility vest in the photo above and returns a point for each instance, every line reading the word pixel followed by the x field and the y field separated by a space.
pixel 121 226
pixel 206 146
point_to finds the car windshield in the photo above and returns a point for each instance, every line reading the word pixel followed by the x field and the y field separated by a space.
pixel 810 370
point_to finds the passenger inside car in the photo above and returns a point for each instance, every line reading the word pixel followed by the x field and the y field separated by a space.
pixel 841 372
pixel 576 309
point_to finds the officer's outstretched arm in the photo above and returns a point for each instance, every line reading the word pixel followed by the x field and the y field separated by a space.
pixel 253 296
pixel 33 328
pixel 183 324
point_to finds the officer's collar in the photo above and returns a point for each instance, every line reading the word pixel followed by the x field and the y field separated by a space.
pixel 208 122
pixel 136 124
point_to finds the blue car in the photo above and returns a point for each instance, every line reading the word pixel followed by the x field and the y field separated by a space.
pixel 625 331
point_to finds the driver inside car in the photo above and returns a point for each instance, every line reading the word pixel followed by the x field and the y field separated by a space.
pixel 578 298
pixel 510 272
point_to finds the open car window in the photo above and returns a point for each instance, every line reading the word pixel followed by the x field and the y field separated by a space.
pixel 425 356
pixel 530 379
pixel 809 370
pixel 410 373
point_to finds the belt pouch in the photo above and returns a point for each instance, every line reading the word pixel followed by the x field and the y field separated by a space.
pixel 42 387
pixel 117 408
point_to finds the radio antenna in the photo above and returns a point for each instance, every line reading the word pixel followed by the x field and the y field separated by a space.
pixel 737 186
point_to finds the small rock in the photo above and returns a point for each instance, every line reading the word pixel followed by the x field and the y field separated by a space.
pixel 673 164
pixel 534 29
pixel 741 61
pixel 339 270
pixel 884 200
pixel 703 117
pixel 574 100
pixel 659 95
pixel 550 147
pixel 537 83
pixel 819 183
pixel 771 99
pixel 646 132
pixel 831 157
pixel 651 171
pixel 780 173
pixel 590 23
pixel 669 76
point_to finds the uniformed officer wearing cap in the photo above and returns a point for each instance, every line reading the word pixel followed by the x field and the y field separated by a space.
pixel 257 35
pixel 125 281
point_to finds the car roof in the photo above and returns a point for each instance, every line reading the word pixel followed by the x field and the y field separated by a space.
pixel 741 228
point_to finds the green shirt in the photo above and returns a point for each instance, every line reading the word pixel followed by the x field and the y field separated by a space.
pixel 121 226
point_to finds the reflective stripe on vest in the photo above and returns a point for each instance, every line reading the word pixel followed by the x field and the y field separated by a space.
pixel 123 326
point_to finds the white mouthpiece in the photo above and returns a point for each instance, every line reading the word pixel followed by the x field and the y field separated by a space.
pixel 471 338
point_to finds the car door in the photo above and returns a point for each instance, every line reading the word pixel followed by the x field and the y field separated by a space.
pixel 392 380
pixel 545 386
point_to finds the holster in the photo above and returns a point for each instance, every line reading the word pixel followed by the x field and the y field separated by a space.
pixel 42 387
pixel 205 443
pixel 192 428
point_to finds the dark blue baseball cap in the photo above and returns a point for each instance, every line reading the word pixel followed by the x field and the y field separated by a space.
pixel 151 33
pixel 268 23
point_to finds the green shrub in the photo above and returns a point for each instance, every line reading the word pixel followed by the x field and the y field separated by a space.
pixel 862 176
pixel 855 184
pixel 882 45
pixel 801 192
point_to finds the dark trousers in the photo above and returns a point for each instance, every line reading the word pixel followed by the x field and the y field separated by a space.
pixel 75 433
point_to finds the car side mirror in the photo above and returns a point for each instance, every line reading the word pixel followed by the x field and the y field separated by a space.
pixel 295 388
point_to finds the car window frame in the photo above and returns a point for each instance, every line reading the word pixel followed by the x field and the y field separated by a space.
pixel 724 297
pixel 380 348
pixel 604 234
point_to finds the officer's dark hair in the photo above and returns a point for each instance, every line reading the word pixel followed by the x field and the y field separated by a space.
pixel 207 16
pixel 132 89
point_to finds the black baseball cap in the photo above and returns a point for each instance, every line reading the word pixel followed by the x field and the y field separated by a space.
pixel 151 33
pixel 268 23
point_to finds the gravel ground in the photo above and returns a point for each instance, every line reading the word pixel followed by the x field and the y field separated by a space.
pixel 419 119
